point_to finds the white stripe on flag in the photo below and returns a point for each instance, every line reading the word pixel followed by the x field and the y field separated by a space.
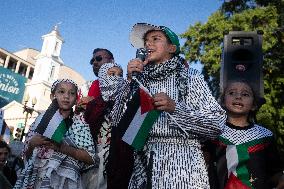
pixel 38 119
pixel 7 135
pixel 232 159
pixel 134 127
pixel 53 124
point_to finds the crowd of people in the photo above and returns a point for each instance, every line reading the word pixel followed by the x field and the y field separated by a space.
pixel 195 142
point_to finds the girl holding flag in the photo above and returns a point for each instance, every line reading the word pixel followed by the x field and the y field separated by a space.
pixel 58 145
pixel 187 112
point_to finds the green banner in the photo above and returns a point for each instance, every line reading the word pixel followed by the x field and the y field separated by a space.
pixel 12 86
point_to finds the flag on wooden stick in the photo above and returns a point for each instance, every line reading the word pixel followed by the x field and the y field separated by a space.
pixel 138 119
pixel 51 124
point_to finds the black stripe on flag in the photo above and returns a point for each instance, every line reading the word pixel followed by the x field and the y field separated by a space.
pixel 132 107
pixel 47 116
pixel 3 128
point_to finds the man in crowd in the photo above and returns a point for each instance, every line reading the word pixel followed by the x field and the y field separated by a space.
pixel 98 104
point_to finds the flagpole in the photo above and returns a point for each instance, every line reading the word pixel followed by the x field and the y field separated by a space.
pixel 142 86
pixel 27 110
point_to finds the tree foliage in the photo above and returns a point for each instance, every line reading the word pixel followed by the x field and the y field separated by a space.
pixel 204 43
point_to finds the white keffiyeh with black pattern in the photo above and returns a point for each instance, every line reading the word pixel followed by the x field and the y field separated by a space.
pixel 108 83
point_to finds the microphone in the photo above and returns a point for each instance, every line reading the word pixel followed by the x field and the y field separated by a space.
pixel 141 53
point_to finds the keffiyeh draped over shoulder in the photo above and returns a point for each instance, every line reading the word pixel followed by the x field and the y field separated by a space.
pixel 98 108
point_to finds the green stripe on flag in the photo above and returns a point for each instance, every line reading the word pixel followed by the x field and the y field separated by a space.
pixel 140 138
pixel 241 169
pixel 225 140
pixel 59 132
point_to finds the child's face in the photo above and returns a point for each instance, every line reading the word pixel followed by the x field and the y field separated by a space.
pixel 66 95
pixel 238 99
pixel 159 49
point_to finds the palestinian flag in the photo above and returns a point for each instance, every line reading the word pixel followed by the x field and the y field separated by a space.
pixel 51 124
pixel 138 119
pixel 239 176
pixel 237 158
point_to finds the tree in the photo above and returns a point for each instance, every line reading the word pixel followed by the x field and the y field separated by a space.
pixel 204 44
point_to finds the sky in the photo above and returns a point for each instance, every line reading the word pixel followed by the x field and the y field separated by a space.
pixel 88 24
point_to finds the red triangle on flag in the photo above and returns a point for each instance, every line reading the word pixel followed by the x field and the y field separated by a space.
pixel 234 182
pixel 146 101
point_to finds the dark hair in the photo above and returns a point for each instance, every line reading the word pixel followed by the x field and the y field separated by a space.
pixel 256 98
pixel 102 49
pixel 3 144
pixel 149 31
pixel 167 37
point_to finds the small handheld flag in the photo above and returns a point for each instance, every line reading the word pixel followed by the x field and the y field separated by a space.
pixel 52 125
pixel 138 119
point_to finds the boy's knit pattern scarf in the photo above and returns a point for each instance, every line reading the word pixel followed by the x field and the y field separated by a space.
pixel 164 70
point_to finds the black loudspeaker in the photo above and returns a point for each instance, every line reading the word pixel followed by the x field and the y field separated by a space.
pixel 243 59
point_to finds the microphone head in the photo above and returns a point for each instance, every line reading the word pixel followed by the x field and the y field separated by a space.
pixel 141 53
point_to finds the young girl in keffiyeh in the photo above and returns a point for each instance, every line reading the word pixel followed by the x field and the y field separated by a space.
pixel 245 153
pixel 52 165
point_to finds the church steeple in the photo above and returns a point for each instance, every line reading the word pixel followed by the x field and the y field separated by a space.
pixel 47 67
pixel 52 43
pixel 48 61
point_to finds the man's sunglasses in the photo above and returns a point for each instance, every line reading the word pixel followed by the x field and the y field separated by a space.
pixel 96 58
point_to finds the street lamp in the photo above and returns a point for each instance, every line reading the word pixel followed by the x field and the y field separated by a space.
pixel 28 110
